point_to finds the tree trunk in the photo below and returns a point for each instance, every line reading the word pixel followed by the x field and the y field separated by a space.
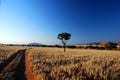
pixel 64 44
pixel 64 48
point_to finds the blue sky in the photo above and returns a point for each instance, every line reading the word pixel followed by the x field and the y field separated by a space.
pixel 25 21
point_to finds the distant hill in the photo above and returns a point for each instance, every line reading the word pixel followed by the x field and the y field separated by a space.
pixel 101 43
pixel 34 44
pixel 109 43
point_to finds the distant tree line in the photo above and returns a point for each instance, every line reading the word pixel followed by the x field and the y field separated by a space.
pixel 110 46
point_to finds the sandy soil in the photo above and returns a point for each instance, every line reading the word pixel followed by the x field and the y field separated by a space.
pixel 28 71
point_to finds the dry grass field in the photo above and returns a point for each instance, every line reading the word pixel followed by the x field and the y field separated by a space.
pixel 75 64
pixel 42 63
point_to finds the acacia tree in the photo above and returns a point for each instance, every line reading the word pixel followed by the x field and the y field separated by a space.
pixel 64 37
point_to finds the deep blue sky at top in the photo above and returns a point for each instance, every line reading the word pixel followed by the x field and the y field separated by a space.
pixel 24 21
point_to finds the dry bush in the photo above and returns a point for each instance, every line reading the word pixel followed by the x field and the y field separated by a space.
pixel 75 64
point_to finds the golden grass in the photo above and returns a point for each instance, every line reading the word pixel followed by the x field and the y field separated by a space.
pixel 75 64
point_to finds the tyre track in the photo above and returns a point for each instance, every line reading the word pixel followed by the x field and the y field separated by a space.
pixel 14 68
pixel 20 70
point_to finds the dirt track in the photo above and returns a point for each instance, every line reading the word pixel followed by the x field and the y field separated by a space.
pixel 14 68
pixel 20 69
